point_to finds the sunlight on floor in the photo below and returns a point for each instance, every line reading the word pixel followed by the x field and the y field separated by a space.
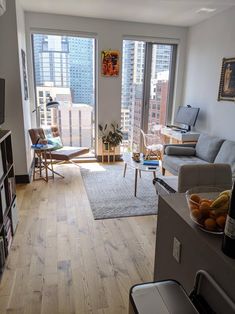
pixel 92 166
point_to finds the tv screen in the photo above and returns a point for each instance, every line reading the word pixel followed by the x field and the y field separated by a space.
pixel 187 115
pixel 2 100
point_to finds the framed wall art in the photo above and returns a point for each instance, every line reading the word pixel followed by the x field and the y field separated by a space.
pixel 26 93
pixel 110 62
pixel 227 80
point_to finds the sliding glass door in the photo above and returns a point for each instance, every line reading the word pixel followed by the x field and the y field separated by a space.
pixel 147 88
pixel 132 91
pixel 64 68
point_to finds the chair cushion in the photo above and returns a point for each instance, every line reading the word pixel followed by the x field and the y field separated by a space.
pixel 180 151
pixel 56 142
pixel 226 154
pixel 155 147
pixel 207 147
pixel 175 162
pixel 67 152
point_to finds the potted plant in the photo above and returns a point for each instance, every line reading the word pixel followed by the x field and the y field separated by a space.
pixel 112 136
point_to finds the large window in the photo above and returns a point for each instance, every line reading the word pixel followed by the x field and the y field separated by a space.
pixel 147 76
pixel 64 68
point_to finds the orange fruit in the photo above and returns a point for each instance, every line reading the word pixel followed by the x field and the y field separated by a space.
pixel 212 214
pixel 205 212
pixel 210 224
pixel 195 198
pixel 205 209
pixel 196 214
pixel 205 200
pixel 221 221
pixel 194 206
pixel 204 205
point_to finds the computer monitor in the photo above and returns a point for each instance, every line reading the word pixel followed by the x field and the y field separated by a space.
pixel 187 115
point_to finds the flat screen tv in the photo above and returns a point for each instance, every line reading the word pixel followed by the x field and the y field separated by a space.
pixel 187 115
pixel 2 101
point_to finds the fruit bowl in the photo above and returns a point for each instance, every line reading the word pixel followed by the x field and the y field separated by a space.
pixel 208 207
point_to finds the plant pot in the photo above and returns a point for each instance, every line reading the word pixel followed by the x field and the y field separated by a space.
pixel 106 146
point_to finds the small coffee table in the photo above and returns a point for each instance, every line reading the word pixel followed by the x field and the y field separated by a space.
pixel 138 166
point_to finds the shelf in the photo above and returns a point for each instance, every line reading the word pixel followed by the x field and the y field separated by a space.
pixel 8 206
pixel 6 174
pixel 6 213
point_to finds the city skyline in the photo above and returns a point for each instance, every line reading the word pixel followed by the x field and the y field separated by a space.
pixel 133 88
pixel 67 63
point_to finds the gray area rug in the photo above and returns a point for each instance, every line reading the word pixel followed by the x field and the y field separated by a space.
pixel 112 196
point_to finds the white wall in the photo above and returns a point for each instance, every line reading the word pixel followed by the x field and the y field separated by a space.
pixel 25 103
pixel 10 70
pixel 110 35
pixel 208 43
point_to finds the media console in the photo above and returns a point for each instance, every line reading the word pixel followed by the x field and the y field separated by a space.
pixel 179 136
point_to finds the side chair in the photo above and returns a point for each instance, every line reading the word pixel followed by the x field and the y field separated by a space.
pixel 152 144
pixel 61 155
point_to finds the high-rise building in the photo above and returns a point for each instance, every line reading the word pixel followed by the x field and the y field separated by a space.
pixel 51 60
pixel 161 59
pixel 64 70
pixel 81 67
pixel 132 86
pixel 66 61
pixel 132 70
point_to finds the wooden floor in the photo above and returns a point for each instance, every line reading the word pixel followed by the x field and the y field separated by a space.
pixel 63 261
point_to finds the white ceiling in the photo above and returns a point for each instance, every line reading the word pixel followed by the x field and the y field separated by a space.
pixel 171 12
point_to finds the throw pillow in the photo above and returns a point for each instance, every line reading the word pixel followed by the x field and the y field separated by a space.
pixel 56 142
pixel 180 151
pixel 207 147
pixel 47 132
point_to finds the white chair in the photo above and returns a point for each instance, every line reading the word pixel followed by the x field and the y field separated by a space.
pixel 152 144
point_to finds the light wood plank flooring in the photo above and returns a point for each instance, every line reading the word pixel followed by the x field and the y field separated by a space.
pixel 63 261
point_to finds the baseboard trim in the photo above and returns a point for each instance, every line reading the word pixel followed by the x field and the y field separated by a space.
pixel 24 178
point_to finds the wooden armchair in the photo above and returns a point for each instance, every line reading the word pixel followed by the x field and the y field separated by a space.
pixel 64 154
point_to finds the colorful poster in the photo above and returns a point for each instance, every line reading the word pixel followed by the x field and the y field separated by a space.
pixel 110 62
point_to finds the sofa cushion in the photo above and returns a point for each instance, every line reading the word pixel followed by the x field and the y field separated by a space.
pixel 208 146
pixel 175 162
pixel 226 154
pixel 180 151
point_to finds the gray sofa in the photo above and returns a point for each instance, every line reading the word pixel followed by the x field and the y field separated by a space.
pixel 209 149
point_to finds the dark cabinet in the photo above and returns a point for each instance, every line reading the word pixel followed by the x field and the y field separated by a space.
pixel 8 205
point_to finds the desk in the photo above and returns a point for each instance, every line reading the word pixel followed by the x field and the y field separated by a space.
pixel 199 250
pixel 176 137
